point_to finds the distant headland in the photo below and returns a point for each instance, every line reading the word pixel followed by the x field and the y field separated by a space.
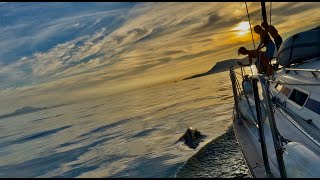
pixel 219 67
pixel 26 110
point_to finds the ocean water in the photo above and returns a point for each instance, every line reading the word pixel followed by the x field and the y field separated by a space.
pixel 131 134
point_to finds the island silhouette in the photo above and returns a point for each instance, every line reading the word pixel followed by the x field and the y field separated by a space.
pixel 220 67
pixel 26 110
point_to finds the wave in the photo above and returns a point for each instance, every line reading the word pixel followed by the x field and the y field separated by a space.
pixel 222 157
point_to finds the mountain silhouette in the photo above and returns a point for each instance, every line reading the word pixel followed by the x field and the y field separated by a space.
pixel 27 109
pixel 23 110
pixel 220 67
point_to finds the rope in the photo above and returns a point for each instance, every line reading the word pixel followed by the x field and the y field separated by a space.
pixel 311 131
pixel 270 12
pixel 252 133
pixel 297 84
pixel 259 63
pixel 253 116
pixel 254 46
pixel 267 34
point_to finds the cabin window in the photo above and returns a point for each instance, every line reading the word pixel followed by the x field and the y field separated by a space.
pixel 279 87
pixel 298 97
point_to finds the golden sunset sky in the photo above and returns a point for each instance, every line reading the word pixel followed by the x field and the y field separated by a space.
pixel 73 50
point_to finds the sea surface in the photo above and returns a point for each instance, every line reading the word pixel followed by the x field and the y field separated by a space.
pixel 131 134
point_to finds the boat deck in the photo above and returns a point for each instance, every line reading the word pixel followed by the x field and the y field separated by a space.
pixel 247 136
pixel 252 156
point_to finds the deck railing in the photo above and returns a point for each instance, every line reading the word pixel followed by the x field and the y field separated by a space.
pixel 238 93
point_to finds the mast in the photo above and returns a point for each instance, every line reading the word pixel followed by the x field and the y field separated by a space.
pixel 264 13
pixel 277 143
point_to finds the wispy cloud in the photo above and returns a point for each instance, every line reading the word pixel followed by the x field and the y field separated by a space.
pixel 105 43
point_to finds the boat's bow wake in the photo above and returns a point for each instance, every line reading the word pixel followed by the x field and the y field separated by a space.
pixel 220 158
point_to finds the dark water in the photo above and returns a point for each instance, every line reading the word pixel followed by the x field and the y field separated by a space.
pixel 221 157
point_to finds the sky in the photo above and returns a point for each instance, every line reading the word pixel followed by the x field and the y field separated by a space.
pixel 51 50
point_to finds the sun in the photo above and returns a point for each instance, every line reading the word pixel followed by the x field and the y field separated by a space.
pixel 242 28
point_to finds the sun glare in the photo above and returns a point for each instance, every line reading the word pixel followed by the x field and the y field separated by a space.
pixel 242 28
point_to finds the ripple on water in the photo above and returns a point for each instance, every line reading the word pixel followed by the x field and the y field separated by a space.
pixel 221 157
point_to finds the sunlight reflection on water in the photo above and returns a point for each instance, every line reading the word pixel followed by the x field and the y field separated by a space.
pixel 132 134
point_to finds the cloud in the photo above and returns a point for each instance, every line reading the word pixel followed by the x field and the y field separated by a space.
pixel 293 8
pixel 27 28
pixel 111 43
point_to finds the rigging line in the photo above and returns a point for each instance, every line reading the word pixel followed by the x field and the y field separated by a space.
pixel 270 25
pixel 297 84
pixel 254 46
pixel 267 34
pixel 270 11
pixel 245 94
pixel 259 63
pixel 242 72
pixel 252 133
pixel 298 126
pixel 250 107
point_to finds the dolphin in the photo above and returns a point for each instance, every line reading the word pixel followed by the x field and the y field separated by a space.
pixel 192 137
